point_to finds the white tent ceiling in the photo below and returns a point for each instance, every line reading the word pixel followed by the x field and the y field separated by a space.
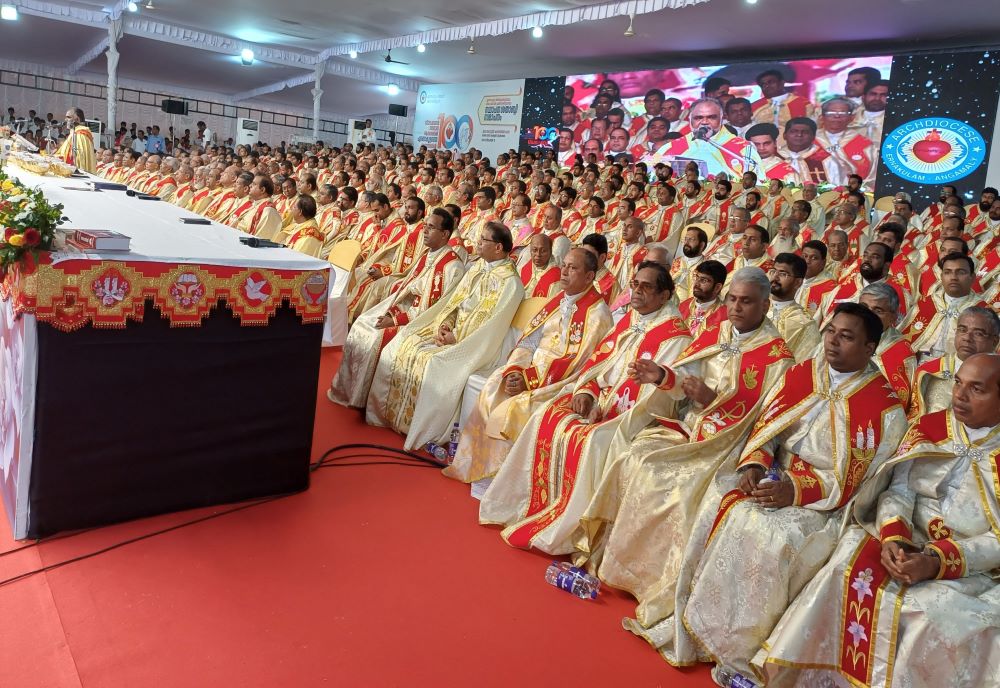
pixel 194 43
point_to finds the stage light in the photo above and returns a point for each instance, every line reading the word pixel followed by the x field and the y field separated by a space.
pixel 8 13
pixel 630 32
pixel 421 48
pixel 132 7
pixel 353 54
pixel 472 47
pixel 751 2
pixel 392 89
pixel 537 32
pixel 247 56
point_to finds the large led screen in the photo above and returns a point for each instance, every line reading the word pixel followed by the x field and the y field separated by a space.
pixel 801 121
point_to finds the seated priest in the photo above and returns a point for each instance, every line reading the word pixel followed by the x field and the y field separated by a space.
pixel 794 323
pixel 910 595
pixel 664 455
pixel 397 247
pixel 551 470
pixel 766 528
pixel 435 275
pixel 260 218
pixel 930 324
pixel 705 308
pixel 605 281
pixel 303 234
pixel 818 281
pixel 540 275
pixel 417 389
pixel 894 356
pixel 977 331
pixel 551 353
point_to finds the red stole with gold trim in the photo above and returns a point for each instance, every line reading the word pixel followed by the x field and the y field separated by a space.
pixel 558 367
pixel 542 511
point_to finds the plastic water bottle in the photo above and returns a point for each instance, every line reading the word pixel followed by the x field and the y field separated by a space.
pixel 733 679
pixel 773 475
pixel 573 580
pixel 453 443
pixel 439 453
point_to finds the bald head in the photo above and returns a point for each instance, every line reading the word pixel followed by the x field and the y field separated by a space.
pixel 975 398
pixel 541 250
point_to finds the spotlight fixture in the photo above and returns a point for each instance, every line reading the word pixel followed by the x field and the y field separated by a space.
pixel 392 89
pixel 537 32
pixel 630 32
pixel 247 56
pixel 8 13
pixel 353 54
pixel 751 2
pixel 132 7
pixel 472 47
pixel 421 48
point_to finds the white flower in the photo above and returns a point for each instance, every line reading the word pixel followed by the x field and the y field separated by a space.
pixel 863 584
pixel 857 631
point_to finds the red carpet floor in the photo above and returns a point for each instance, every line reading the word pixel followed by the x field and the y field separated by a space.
pixel 377 576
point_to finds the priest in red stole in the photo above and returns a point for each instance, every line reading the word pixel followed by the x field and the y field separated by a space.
pixel 910 595
pixel 634 530
pixel 435 275
pixel 551 471
pixel 540 275
pixel 756 543
pixel 551 353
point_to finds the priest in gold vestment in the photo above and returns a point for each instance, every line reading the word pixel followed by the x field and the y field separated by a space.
pixel 433 278
pixel 822 433
pixel 417 389
pixel 910 598
pixel 977 331
pixel 795 325
pixel 550 354
pixel 78 148
pixel 551 471
pixel 634 530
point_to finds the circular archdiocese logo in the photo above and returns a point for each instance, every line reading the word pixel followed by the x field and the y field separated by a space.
pixel 933 150
pixel 423 96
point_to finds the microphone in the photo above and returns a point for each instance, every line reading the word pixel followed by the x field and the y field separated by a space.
pixel 704 132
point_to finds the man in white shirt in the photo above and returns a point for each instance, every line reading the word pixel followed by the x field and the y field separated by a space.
pixel 368 134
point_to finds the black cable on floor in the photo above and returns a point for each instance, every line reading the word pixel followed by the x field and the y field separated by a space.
pixel 397 457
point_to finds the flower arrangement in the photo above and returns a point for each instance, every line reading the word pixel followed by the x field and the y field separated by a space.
pixel 28 223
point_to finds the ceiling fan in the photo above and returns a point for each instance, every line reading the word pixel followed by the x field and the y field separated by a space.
pixel 388 58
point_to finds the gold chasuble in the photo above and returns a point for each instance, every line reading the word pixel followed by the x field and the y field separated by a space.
pixel 796 327
pixel 434 277
pixel 633 532
pixel 551 471
pixel 743 564
pixel 939 493
pixel 550 354
pixel 78 149
pixel 417 389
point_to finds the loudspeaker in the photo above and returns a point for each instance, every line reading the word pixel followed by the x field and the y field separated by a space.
pixel 174 107
pixel 359 124
pixel 397 110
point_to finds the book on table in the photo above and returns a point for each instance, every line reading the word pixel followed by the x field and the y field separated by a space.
pixel 99 240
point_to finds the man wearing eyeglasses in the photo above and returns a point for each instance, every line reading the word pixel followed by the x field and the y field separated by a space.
pixel 417 389
pixel 433 277
pixel 853 148
pixel 549 475
pixel 550 354
pixel 977 331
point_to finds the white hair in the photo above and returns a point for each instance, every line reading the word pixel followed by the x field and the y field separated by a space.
pixel 754 276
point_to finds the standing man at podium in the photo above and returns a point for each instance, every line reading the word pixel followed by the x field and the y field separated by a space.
pixel 78 148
